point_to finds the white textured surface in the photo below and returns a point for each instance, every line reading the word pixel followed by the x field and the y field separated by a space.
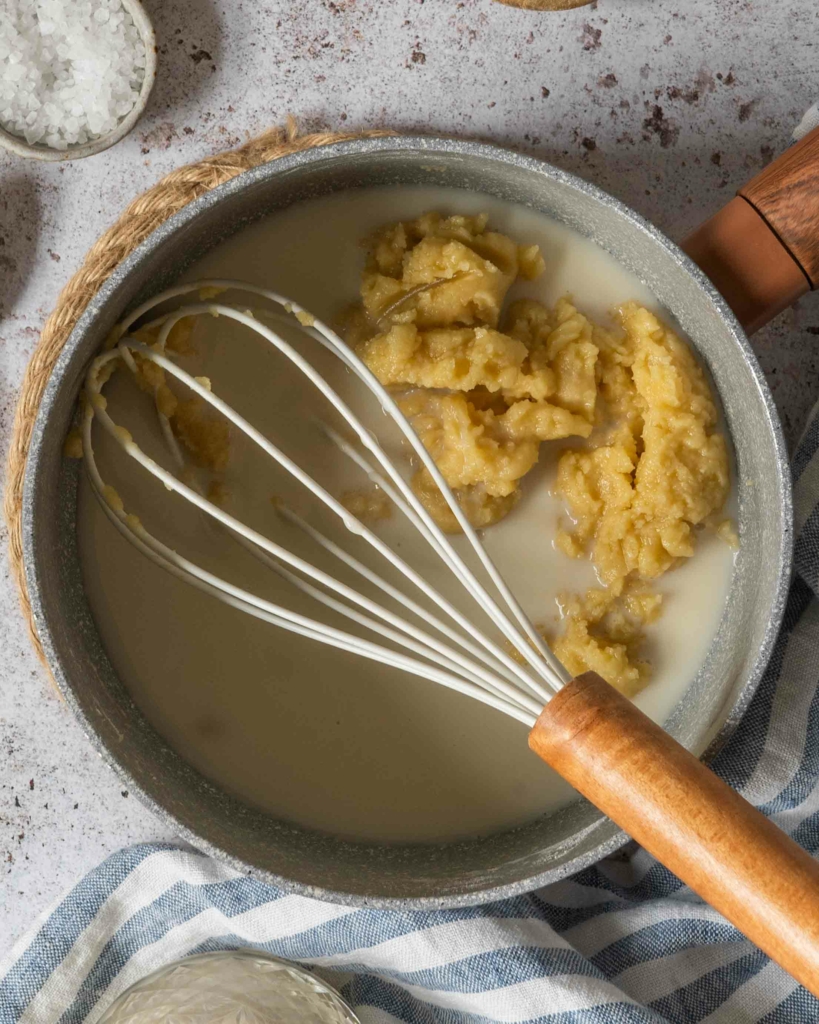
pixel 668 105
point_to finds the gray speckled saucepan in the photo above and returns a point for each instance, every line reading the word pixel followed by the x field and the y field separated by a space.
pixel 319 865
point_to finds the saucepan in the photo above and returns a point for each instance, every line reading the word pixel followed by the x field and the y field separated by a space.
pixel 745 252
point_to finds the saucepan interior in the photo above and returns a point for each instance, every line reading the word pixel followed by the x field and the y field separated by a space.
pixel 418 875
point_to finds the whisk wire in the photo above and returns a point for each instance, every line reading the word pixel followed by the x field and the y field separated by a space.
pixel 352 524
pixel 286 618
pixel 397 595
pixel 336 345
pixel 430 531
pixel 557 674
pixel 429 647
pixel 490 675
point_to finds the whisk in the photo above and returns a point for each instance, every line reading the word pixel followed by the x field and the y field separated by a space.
pixel 605 747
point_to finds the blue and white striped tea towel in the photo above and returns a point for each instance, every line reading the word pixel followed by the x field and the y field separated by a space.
pixel 621 943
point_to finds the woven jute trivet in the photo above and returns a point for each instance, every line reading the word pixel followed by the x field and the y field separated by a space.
pixel 139 219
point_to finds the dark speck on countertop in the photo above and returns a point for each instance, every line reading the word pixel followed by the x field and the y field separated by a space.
pixel 746 109
pixel 590 37
pixel 665 129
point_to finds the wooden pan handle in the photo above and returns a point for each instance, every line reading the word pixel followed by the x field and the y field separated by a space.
pixel 703 831
pixel 762 250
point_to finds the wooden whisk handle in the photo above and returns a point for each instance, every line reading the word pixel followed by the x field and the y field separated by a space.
pixel 700 828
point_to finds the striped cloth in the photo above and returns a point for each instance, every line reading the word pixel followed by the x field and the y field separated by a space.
pixel 623 942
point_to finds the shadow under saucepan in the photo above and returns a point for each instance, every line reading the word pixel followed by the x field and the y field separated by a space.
pixel 19 230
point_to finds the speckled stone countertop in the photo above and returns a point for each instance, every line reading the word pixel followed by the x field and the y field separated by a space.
pixel 670 106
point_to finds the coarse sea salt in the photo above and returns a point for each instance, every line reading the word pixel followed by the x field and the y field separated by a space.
pixel 70 70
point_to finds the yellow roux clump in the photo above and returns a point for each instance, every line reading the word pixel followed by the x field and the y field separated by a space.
pixel 658 470
pixel 206 436
pixel 370 505
pixel 485 387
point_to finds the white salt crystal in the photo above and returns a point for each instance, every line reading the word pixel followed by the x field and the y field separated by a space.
pixel 69 69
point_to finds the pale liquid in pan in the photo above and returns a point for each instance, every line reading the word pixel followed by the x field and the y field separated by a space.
pixel 308 733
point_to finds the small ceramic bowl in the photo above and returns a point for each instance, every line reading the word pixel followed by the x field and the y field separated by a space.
pixel 17 145
pixel 230 985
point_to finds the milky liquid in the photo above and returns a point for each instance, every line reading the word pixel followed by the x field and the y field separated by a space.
pixel 308 733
